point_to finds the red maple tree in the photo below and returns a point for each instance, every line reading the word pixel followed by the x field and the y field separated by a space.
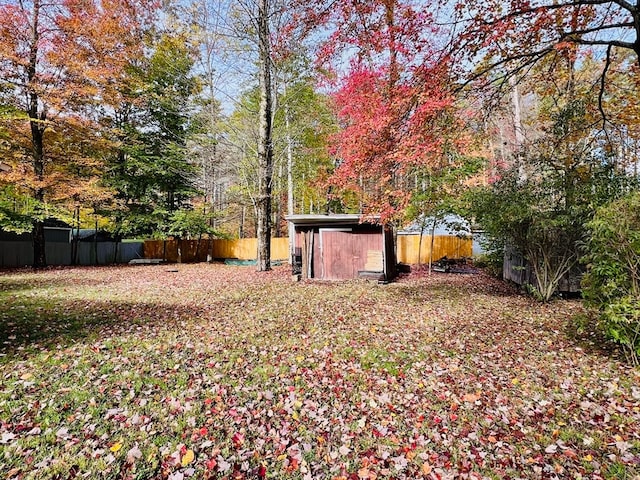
pixel 391 95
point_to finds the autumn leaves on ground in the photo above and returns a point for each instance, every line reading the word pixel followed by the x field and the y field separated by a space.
pixel 213 371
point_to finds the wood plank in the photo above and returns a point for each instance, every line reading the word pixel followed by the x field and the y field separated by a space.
pixel 374 261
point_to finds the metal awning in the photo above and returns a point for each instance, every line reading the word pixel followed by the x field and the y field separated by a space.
pixel 337 219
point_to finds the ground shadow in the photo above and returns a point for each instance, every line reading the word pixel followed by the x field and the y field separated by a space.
pixel 435 285
pixel 42 323
pixel 583 330
pixel 24 280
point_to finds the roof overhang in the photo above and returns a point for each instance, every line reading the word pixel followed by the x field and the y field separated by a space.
pixel 337 219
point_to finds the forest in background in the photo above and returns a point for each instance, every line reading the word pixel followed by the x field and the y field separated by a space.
pixel 214 118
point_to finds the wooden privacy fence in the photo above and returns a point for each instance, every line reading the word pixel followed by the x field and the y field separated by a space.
pixel 450 246
pixel 517 269
pixel 246 249
pixel 217 249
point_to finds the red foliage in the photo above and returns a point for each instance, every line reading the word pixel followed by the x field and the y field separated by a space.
pixel 391 96
pixel 511 35
pixel 391 101
pixel 386 133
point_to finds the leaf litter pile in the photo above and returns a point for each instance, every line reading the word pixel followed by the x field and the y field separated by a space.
pixel 216 371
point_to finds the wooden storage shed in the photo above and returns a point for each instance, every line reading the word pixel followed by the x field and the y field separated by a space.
pixel 339 247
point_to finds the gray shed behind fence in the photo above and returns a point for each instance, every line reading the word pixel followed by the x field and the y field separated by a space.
pixel 339 247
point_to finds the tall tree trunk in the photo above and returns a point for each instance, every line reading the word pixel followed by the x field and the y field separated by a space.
pixel 95 239
pixel 290 204
pixel 433 238
pixel 265 145
pixel 36 122
pixel 423 224
pixel 518 131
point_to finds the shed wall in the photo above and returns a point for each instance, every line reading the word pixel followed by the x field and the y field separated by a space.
pixel 341 252
pixel 345 253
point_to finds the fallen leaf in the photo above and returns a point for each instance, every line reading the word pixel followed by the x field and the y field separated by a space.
pixel 470 397
pixel 238 439
pixel 134 454
pixel 187 458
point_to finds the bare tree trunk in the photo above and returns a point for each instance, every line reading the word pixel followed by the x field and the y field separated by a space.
pixel 433 237
pixel 75 237
pixel 95 239
pixel 518 131
pixel 290 203
pixel 36 122
pixel 423 224
pixel 242 219
pixel 197 260
pixel 265 145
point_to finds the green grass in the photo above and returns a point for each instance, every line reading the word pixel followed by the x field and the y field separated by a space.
pixel 118 372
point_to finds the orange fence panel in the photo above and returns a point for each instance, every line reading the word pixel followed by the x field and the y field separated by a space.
pixel 190 251
pixel 450 246
pixel 408 246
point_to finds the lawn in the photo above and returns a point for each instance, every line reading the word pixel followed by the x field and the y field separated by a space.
pixel 213 371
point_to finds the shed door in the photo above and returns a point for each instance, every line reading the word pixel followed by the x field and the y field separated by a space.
pixel 339 259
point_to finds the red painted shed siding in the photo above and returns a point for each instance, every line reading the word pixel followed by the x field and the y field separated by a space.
pixel 340 252
pixel 344 253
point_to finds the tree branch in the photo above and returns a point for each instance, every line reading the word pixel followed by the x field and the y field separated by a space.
pixel 559 6
pixel 603 77
pixel 598 28
pixel 530 58
pixel 608 43
pixel 626 5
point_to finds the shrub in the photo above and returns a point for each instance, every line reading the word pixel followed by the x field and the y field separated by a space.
pixel 611 285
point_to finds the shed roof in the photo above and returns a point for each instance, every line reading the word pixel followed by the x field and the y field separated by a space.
pixel 336 219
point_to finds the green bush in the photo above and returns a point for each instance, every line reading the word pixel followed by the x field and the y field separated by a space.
pixel 491 261
pixel 611 285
